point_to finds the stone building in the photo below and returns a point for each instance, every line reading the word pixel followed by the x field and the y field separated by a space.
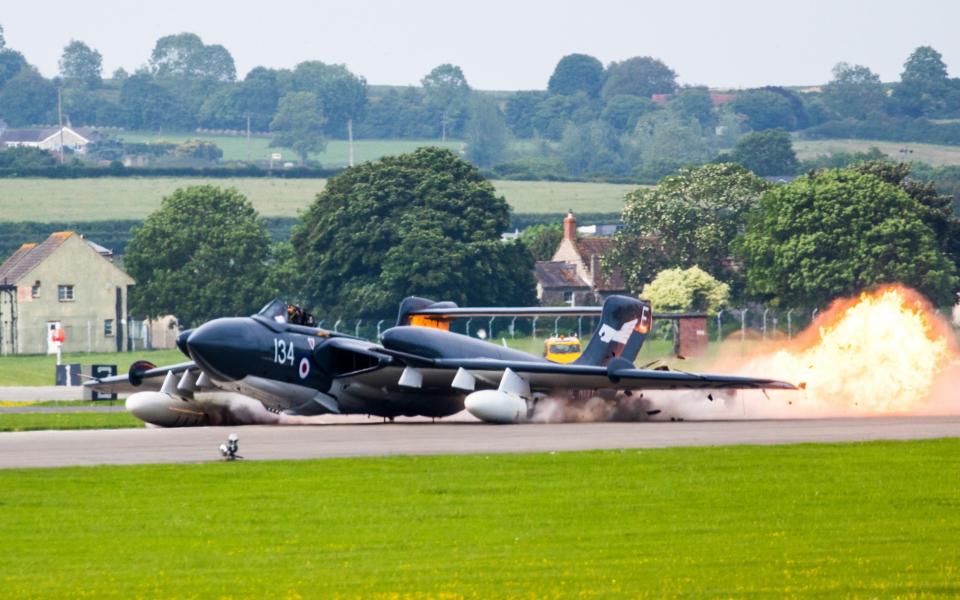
pixel 67 282
pixel 574 273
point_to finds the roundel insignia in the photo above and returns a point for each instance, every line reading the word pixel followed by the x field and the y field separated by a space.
pixel 304 367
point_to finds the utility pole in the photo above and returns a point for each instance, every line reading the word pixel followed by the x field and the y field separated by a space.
pixel 60 119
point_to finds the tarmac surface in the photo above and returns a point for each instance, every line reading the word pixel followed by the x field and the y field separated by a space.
pixel 373 438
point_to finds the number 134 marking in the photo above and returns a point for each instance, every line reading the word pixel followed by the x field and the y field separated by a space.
pixel 282 352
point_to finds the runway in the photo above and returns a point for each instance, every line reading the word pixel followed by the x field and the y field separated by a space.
pixel 191 445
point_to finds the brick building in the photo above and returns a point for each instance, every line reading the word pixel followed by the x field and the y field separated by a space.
pixel 574 273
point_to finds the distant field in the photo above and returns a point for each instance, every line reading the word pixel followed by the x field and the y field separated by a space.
pixel 813 520
pixel 928 153
pixel 336 154
pixel 134 197
pixel 38 369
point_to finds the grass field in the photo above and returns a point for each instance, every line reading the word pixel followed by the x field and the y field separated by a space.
pixel 928 153
pixel 77 420
pixel 39 369
pixel 109 198
pixel 337 153
pixel 861 520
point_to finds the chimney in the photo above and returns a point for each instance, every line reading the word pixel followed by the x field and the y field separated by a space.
pixel 570 227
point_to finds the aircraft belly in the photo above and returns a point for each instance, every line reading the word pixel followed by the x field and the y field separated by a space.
pixel 275 395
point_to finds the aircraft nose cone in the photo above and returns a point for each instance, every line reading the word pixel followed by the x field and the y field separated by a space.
pixel 220 346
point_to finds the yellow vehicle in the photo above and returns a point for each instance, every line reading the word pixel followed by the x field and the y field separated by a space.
pixel 562 350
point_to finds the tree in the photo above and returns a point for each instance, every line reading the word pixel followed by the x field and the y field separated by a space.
pixel 200 150
pixel 577 73
pixel 486 132
pixel 639 76
pixel 145 104
pixel 590 149
pixel 298 124
pixel 622 112
pixel 519 112
pixel 765 153
pixel 185 56
pixel 24 157
pixel 447 92
pixel 27 99
pixel 694 103
pixel 663 142
pixel 11 63
pixel 201 255
pixel 854 92
pixel 924 84
pixel 342 95
pixel 686 289
pixel 764 109
pixel 937 209
pixel 835 233
pixel 553 114
pixel 690 218
pixel 423 223
pixel 3 40
pixel 81 63
pixel 542 240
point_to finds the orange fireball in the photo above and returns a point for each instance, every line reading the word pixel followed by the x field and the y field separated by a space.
pixel 879 353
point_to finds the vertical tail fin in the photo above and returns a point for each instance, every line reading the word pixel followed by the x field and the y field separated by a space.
pixel 624 325
pixel 413 304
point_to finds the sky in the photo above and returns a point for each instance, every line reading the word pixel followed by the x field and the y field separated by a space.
pixel 506 45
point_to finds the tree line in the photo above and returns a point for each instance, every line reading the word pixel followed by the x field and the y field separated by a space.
pixel 630 119
pixel 431 226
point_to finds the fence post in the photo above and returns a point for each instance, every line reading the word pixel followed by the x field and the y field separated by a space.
pixel 719 326
pixel 813 315
pixel 556 326
pixel 468 326
pixel 535 327
pixel 356 330
pixel 580 327
pixel 379 323
pixel 490 328
pixel 790 324
pixel 743 325
pixel 337 324
pixel 765 311
pixel 513 323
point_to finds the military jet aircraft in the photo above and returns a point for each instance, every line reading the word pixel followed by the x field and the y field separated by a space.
pixel 283 369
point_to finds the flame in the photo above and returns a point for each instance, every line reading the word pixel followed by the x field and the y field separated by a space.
pixel 880 353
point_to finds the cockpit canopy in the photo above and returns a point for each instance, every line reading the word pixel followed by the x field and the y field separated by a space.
pixel 281 312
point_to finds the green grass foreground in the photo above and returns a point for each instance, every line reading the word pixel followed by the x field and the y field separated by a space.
pixel 41 421
pixel 877 519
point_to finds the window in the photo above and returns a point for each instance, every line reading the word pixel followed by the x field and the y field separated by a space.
pixel 65 293
pixel 567 296
pixel 35 289
pixel 108 328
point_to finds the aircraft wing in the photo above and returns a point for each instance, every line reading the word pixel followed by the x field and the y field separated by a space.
pixel 618 375
pixel 150 379
pixel 533 311
pixel 546 376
